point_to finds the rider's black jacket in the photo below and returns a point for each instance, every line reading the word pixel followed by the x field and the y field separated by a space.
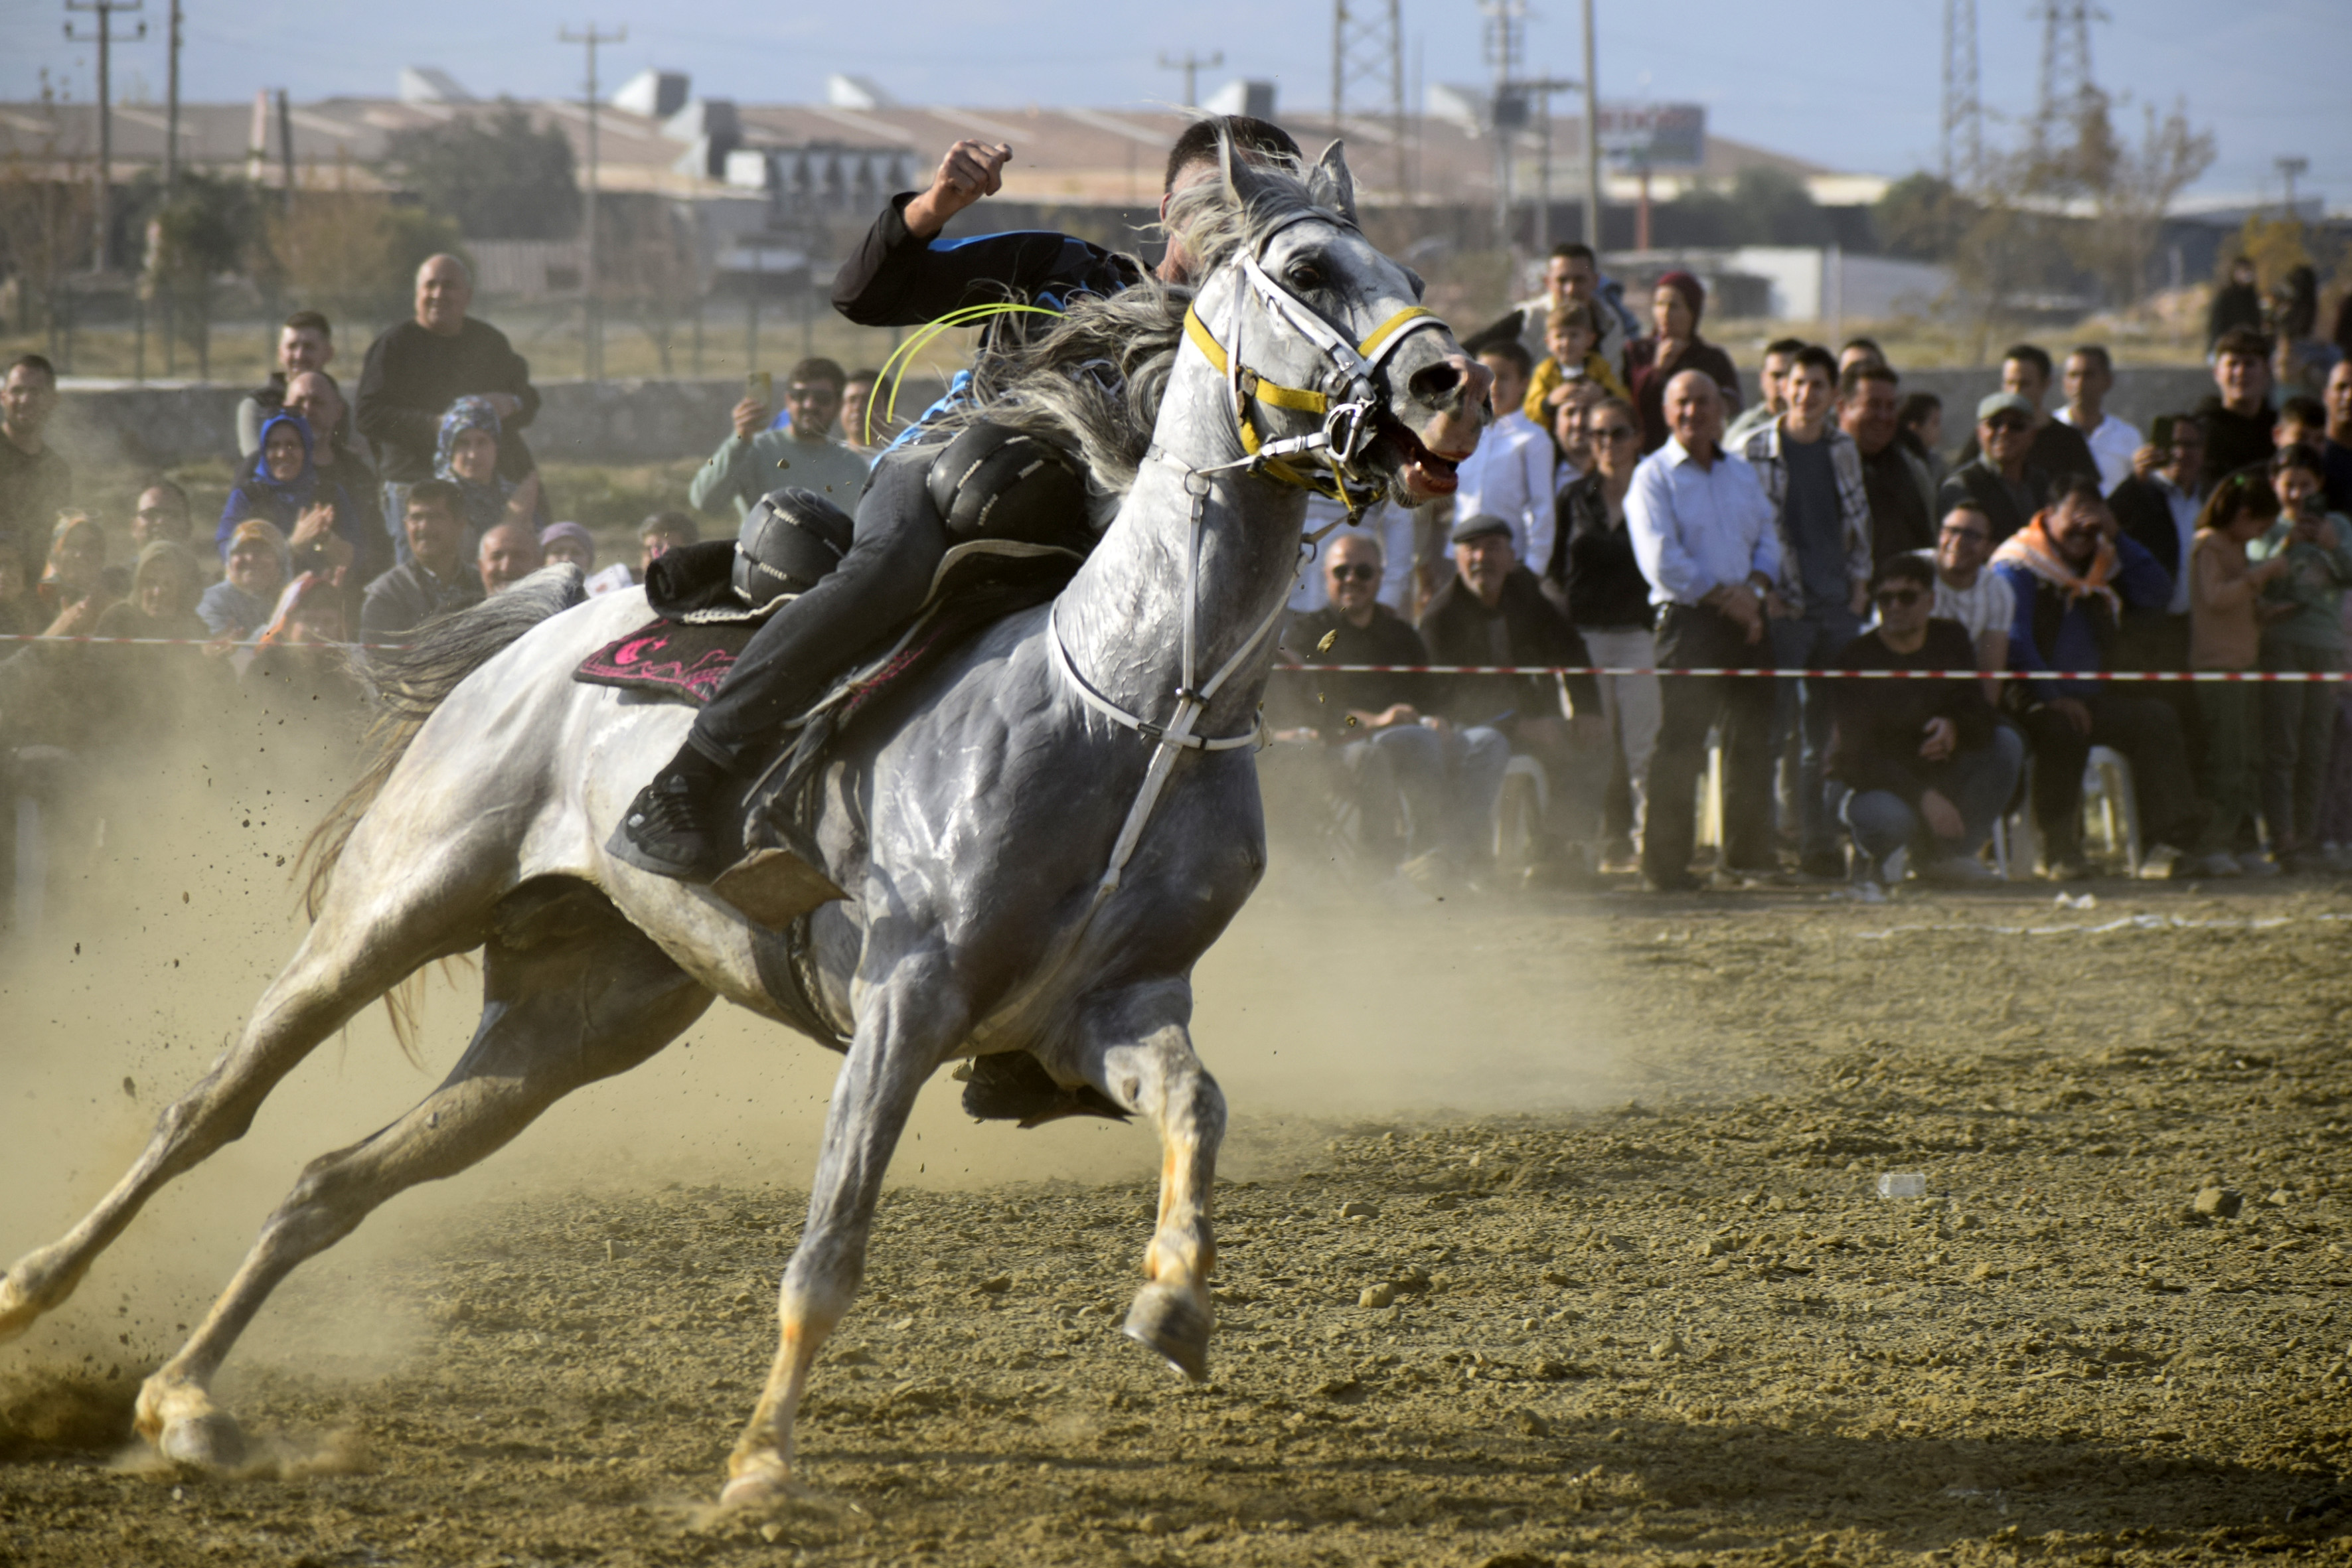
pixel 894 279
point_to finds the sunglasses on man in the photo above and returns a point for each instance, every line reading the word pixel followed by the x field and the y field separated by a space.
pixel 2009 424
pixel 1355 573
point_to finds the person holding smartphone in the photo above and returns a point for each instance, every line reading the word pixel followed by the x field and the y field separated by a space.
pixel 808 455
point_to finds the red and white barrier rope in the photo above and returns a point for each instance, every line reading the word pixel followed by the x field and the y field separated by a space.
pixel 2159 675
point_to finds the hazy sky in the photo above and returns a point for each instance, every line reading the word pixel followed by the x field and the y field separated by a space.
pixel 1848 83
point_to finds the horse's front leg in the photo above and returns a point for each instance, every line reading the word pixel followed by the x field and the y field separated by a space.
pixel 905 1024
pixel 1139 1054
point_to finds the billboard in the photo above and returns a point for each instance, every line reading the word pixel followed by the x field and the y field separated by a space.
pixel 1654 135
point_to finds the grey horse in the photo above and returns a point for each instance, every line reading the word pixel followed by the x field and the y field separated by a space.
pixel 1037 840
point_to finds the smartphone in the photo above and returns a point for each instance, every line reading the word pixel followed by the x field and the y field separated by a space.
pixel 761 384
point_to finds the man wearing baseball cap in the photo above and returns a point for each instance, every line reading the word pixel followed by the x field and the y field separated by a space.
pixel 2000 482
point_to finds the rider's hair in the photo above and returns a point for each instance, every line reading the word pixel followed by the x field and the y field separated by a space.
pixel 1255 139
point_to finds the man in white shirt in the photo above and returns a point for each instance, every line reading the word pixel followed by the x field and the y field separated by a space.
pixel 1980 600
pixel 1510 474
pixel 2090 377
pixel 1703 532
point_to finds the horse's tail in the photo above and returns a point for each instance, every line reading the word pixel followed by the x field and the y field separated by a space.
pixel 412 680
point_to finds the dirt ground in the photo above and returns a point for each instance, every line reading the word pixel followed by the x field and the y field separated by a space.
pixel 1555 1239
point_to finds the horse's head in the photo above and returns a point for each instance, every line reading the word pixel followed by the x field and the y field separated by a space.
pixel 1330 355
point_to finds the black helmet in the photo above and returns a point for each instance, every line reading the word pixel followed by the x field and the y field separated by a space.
pixel 789 540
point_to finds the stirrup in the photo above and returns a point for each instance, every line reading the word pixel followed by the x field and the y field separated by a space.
pixel 777 884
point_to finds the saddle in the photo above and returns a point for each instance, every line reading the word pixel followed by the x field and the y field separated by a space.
pixel 1009 502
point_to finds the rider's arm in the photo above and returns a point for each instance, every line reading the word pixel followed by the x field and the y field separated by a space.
pixel 895 279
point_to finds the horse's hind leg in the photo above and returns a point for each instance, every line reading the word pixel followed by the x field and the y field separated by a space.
pixel 1139 1052
pixel 572 993
pixel 353 954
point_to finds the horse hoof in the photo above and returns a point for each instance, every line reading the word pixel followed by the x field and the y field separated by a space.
pixel 761 1487
pixel 213 1441
pixel 16 1313
pixel 1171 1321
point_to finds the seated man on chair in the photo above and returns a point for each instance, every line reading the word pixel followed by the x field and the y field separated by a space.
pixel 902 275
pixel 2072 582
pixel 1495 612
pixel 1446 776
pixel 1922 764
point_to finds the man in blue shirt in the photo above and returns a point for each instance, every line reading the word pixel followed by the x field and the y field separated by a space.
pixel 1703 532
pixel 2072 582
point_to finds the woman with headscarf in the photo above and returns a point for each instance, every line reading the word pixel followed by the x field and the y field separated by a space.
pixel 73 592
pixel 467 457
pixel 1676 306
pixel 149 686
pixel 242 602
pixel 281 486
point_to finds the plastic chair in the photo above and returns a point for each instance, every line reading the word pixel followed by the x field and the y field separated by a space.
pixel 1519 810
pixel 2110 804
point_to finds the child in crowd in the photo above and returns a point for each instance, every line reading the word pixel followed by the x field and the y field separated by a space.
pixel 2298 719
pixel 1570 357
pixel 2225 620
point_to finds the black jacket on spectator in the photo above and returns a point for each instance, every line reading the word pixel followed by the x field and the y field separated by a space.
pixel 1522 629
pixel 408 596
pixel 33 490
pixel 1981 485
pixel 1323 701
pixel 2234 441
pixel 409 381
pixel 1877 726
pixel 2145 516
pixel 893 279
pixel 1899 522
pixel 1593 562
pixel 2058 450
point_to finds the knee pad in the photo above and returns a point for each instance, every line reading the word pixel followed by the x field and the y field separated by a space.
pixel 993 482
pixel 788 542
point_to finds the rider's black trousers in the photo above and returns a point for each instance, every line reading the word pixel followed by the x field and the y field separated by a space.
pixel 881 582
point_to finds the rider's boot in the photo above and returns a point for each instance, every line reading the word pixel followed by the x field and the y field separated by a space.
pixel 672 823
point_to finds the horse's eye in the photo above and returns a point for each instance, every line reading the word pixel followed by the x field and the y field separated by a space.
pixel 1306 275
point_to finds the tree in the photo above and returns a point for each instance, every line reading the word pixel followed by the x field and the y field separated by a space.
pixel 498 177
pixel 208 228
pixel 1921 218
pixel 2128 186
pixel 1771 206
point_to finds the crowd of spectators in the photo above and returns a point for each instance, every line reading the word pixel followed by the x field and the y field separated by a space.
pixel 347 524
pixel 1646 517
pixel 1632 510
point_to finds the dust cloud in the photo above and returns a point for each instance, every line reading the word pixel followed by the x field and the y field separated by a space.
pixel 1313 1012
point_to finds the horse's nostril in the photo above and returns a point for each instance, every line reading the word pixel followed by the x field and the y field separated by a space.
pixel 1436 383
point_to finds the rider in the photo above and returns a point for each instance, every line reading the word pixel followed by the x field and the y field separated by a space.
pixel 902 275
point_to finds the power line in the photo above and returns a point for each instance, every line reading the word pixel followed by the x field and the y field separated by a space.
pixel 104 38
pixel 1368 70
pixel 592 321
pixel 1963 118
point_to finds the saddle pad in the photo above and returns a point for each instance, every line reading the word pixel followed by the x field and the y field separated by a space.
pixel 682 662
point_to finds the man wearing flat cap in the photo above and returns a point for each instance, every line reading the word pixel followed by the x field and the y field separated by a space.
pixel 2000 481
pixel 1495 612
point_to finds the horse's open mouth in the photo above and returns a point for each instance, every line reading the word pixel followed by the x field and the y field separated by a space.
pixel 1419 472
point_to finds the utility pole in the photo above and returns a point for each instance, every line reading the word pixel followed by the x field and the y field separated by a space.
pixel 591 320
pixel 1505 30
pixel 2292 167
pixel 171 108
pixel 1190 66
pixel 1543 88
pixel 1368 63
pixel 1592 139
pixel 286 146
pixel 1963 131
pixel 104 38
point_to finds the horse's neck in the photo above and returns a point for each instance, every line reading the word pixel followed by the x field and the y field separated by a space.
pixel 1123 617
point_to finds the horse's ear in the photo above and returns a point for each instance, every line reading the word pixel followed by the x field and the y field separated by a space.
pixel 1242 180
pixel 1330 183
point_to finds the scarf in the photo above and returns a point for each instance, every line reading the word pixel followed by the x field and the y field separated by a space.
pixel 293 494
pixel 2032 548
pixel 484 504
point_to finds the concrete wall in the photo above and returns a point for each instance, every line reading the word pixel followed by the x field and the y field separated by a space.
pixel 163 426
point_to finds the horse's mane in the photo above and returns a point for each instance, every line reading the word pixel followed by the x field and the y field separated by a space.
pixel 1091 383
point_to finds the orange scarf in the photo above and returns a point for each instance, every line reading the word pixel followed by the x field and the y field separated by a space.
pixel 2032 548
